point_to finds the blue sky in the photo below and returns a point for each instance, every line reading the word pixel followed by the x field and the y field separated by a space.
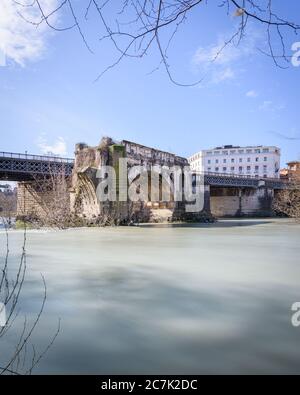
pixel 49 100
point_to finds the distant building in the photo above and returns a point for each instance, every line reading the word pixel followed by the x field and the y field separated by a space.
pixel 292 171
pixel 258 161
pixel 294 166
pixel 5 188
pixel 284 174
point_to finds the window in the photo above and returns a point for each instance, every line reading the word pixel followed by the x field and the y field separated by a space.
pixel 232 168
pixel 241 151
pixel 232 152
pixel 232 160
pixel 248 168
pixel 224 160
pixel 257 151
pixel 209 153
pixel 266 150
pixel 248 160
pixel 256 159
pixel 217 160
pixel 240 169
pixel 265 176
pixel 224 168
pixel 265 168
pixel 209 169
pixel 265 159
pixel 256 169
pixel 225 152
pixel 217 169
pixel 209 161
pixel 241 160
pixel 216 152
pixel 249 151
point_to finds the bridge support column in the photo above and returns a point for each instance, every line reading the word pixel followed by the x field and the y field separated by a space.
pixel 257 202
pixel 241 202
pixel 28 199
pixel 207 207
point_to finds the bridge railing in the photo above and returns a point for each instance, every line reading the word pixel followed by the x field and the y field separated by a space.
pixel 44 158
pixel 242 175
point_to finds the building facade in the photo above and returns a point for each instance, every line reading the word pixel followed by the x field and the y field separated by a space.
pixel 292 172
pixel 257 161
pixel 5 188
pixel 294 166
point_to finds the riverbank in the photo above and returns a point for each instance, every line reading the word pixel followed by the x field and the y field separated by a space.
pixel 220 223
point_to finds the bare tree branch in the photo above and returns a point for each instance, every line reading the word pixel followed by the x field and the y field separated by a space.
pixel 10 292
pixel 135 27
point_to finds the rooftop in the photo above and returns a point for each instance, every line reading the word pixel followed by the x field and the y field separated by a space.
pixel 238 146
pixel 293 162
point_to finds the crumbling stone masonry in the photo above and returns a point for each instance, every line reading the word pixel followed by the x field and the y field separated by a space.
pixel 84 202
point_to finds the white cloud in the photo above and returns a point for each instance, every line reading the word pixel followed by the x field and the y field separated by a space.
pixel 20 40
pixel 216 55
pixel 59 147
pixel 252 94
pixel 222 75
pixel 270 106
pixel 266 105
pixel 221 62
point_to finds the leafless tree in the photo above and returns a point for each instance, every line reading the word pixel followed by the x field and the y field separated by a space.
pixel 134 27
pixel 52 197
pixel 8 205
pixel 54 200
pixel 24 358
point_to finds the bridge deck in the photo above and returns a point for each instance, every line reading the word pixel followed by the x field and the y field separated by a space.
pixel 23 167
pixel 241 180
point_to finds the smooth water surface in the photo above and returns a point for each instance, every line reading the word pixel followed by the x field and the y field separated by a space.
pixel 164 299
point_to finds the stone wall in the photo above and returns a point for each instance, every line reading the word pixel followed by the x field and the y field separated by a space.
pixel 239 202
pixel 28 200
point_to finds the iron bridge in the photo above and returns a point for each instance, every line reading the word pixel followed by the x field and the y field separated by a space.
pixel 24 167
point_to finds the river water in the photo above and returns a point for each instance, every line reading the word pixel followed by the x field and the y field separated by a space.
pixel 163 299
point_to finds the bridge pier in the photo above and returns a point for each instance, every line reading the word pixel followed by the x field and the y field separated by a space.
pixel 241 202
pixel 28 200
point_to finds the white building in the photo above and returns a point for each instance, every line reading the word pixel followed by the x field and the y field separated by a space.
pixel 258 161
pixel 5 188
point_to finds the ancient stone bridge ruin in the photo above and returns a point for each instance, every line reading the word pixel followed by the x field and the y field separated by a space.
pixel 88 160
